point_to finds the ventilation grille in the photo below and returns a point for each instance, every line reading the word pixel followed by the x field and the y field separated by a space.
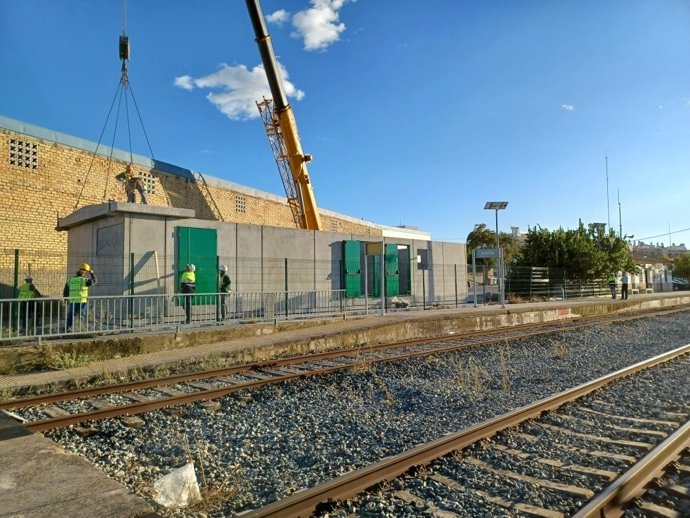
pixel 149 182
pixel 23 154
pixel 240 204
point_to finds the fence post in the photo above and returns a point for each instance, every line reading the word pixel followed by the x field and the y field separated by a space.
pixel 565 285
pixel 286 288
pixel 14 314
pixel 455 274
pixel 218 297
pixel 474 276
pixel 131 290
pixel 531 276
pixel 366 285
pixel 506 280
pixel 15 293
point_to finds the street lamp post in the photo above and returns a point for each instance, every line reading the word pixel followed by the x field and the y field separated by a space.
pixel 498 205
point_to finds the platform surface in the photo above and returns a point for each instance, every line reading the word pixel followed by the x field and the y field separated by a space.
pixel 40 480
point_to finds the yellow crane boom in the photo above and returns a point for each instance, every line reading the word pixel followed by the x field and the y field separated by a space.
pixel 301 195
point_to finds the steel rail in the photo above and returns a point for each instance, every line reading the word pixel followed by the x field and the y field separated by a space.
pixel 485 336
pixel 201 375
pixel 154 404
pixel 140 407
pixel 304 503
pixel 490 336
pixel 612 501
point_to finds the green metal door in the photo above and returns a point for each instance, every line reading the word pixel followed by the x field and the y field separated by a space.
pixel 198 246
pixel 391 273
pixel 352 269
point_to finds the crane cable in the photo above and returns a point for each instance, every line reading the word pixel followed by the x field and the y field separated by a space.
pixel 123 86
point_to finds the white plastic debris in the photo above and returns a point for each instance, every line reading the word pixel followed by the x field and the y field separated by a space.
pixel 178 489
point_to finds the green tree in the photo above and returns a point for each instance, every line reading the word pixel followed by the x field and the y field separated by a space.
pixel 482 237
pixel 681 266
pixel 583 253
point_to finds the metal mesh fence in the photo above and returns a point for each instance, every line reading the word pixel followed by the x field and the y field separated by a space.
pixel 141 291
pixel 151 273
pixel 98 315
pixel 534 283
pixel 531 284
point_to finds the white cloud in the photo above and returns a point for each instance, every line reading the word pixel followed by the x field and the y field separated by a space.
pixel 185 82
pixel 319 26
pixel 235 90
pixel 279 17
pixel 568 107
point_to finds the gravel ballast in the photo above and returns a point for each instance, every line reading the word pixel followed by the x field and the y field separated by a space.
pixel 264 444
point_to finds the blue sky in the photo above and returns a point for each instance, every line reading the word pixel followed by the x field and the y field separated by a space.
pixel 416 112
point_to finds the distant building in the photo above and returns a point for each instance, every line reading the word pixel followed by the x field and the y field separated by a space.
pixel 658 250
pixel 518 234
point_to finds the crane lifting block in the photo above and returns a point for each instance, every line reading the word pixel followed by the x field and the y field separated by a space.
pixel 124 47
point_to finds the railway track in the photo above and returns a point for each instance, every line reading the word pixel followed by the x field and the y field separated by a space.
pixel 73 407
pixel 658 485
pixel 668 493
pixel 593 443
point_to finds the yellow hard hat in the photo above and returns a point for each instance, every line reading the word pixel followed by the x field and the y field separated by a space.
pixel 85 267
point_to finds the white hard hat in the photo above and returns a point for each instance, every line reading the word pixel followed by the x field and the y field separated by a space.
pixel 223 268
pixel 191 267
pixel 28 277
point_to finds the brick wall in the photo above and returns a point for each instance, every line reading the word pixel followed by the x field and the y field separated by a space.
pixel 41 180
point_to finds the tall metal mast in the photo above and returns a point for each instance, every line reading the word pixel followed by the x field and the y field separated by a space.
pixel 608 209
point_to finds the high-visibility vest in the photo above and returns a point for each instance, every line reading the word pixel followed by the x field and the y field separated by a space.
pixel 78 290
pixel 187 281
pixel 612 280
pixel 25 291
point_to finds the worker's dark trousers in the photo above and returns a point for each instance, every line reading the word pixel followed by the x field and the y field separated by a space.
pixel 624 291
pixel 132 197
pixel 25 316
pixel 74 308
pixel 222 302
pixel 188 307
